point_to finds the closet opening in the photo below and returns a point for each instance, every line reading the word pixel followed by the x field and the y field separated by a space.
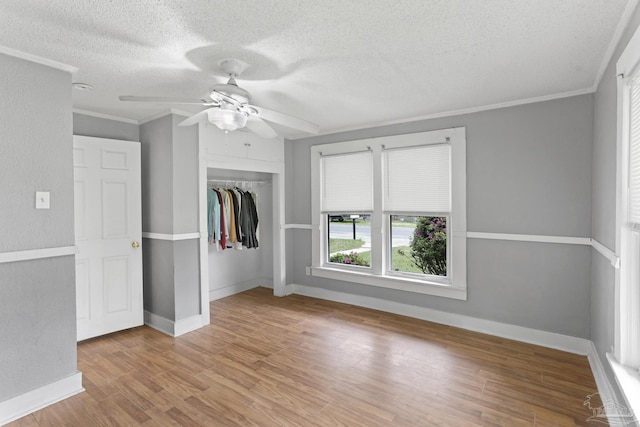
pixel 239 255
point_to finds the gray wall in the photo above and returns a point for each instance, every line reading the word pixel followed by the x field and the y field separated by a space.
pixel 185 177
pixel 158 280
pixel 528 172
pixel 186 256
pixel 185 219
pixel 156 150
pixel 37 298
pixel 35 149
pixel 604 203
pixel 98 127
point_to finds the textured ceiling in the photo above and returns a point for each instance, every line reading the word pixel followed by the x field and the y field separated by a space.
pixel 340 64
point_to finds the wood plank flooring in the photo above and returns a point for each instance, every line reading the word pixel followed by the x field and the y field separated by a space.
pixel 299 361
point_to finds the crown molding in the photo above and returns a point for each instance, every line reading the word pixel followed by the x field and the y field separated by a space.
pixel 38 59
pixel 165 113
pixel 105 116
pixel 457 112
pixel 615 40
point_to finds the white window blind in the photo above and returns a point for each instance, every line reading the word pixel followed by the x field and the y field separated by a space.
pixel 347 183
pixel 418 179
pixel 634 151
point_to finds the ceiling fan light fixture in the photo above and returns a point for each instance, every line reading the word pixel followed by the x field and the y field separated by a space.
pixel 227 120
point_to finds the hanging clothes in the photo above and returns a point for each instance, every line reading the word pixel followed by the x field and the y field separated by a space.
pixel 232 238
pixel 213 216
pixel 238 198
pixel 249 221
pixel 233 229
pixel 232 218
pixel 222 242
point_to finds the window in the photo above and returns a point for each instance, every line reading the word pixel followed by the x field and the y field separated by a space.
pixel 349 240
pixel 630 225
pixel 418 244
pixel 391 212
pixel 626 358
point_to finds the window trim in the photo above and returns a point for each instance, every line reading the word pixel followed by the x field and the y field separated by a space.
pixel 626 308
pixel 378 276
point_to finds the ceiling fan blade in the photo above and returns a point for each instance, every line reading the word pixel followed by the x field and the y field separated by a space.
pixel 260 127
pixel 286 120
pixel 195 118
pixel 162 99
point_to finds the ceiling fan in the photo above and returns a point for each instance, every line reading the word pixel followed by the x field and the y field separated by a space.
pixel 229 108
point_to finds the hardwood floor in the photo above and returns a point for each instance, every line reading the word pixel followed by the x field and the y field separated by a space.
pixel 300 361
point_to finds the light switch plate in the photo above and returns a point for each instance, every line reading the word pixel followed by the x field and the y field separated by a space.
pixel 42 200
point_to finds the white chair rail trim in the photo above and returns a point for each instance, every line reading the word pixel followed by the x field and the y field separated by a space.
pixel 31 254
pixel 172 237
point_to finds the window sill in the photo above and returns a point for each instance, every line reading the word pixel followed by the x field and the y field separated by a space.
pixel 629 382
pixel 392 282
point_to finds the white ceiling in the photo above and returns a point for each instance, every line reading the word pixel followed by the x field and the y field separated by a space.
pixel 341 64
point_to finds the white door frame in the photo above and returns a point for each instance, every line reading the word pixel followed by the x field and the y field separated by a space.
pixel 207 161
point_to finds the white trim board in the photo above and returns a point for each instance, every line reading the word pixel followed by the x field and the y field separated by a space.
pixel 530 238
pixel 615 39
pixel 298 226
pixel 569 240
pixel 38 59
pixel 605 388
pixel 31 401
pixel 171 237
pixel 37 254
pixel 519 333
pixel 606 252
pixel 105 116
pixel 460 112
pixel 163 113
pixel 173 328
pixel 236 288
pixel 629 383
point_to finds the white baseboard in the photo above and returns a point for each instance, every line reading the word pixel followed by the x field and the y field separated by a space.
pixel 602 382
pixel 33 400
pixel 189 324
pixel 159 323
pixel 236 288
pixel 173 328
pixel 504 330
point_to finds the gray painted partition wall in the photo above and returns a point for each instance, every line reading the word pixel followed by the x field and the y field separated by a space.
pixel 604 203
pixel 528 172
pixel 170 206
pixel 37 298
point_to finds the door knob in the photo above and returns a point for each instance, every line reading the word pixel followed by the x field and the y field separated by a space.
pixel 135 245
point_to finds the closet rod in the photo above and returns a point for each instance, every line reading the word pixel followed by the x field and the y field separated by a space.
pixel 232 181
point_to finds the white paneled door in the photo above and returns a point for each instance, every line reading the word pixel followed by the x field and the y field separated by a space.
pixel 108 235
